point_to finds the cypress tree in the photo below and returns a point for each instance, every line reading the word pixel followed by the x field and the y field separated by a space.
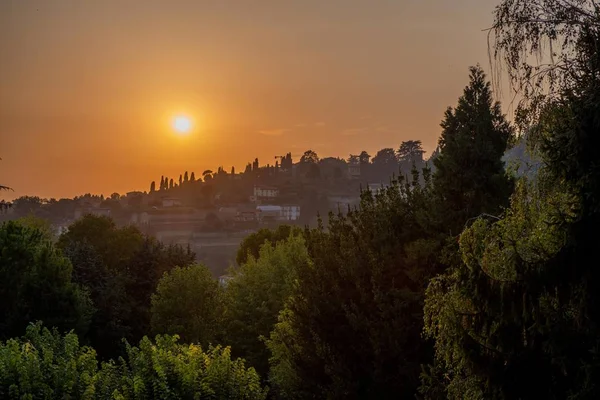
pixel 469 174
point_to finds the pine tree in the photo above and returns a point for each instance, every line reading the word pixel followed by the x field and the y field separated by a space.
pixel 470 178
pixel 171 184
pixel 186 177
pixel 232 170
pixel 162 183
pixel 180 179
pixel 193 177
pixel 152 187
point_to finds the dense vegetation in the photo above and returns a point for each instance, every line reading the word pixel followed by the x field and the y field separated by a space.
pixel 462 282
pixel 46 365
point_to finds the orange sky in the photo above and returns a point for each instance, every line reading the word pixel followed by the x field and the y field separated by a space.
pixel 87 87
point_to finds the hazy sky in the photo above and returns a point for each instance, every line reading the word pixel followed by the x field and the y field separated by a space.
pixel 87 88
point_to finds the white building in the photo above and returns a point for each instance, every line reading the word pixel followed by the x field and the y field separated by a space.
pixel 265 192
pixel 290 212
pixel 171 202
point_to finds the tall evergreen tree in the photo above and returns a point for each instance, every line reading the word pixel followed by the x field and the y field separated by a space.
pixel 162 183
pixel 152 187
pixel 193 177
pixel 520 318
pixel 180 179
pixel 470 178
pixel 171 184
pixel 186 177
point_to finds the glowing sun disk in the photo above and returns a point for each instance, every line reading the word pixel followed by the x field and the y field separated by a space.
pixel 182 124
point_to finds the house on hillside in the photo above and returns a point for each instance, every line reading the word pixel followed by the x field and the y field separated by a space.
pixel 171 202
pixel 262 192
pixel 290 212
pixel 271 213
pixel 354 170
pixel 268 213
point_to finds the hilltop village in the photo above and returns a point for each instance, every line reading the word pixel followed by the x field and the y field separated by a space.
pixel 212 211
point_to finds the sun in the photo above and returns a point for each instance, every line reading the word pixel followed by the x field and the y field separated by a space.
pixel 182 124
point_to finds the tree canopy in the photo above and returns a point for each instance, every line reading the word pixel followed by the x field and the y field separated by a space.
pixel 257 293
pixel 36 283
pixel 188 302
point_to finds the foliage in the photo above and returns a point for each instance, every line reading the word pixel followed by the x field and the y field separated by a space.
pixel 121 268
pixel 44 365
pixel 251 245
pixel 352 325
pixel 470 177
pixel 487 315
pixel 257 293
pixel 411 151
pixel 519 318
pixel 309 157
pixel 188 302
pixel 40 224
pixel 539 43
pixel 36 283
pixel 385 163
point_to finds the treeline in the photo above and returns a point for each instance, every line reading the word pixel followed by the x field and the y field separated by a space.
pixel 463 283
pixel 380 168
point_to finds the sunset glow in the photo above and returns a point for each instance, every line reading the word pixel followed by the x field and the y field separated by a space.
pixel 212 89
pixel 182 124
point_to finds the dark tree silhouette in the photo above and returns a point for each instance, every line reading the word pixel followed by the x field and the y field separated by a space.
pixel 411 151
pixel 309 157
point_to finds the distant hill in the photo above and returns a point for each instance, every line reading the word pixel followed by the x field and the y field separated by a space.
pixel 520 159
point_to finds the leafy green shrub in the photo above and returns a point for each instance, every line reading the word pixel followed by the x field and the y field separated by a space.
pixel 168 370
pixel 187 302
pixel 46 365
pixel 36 283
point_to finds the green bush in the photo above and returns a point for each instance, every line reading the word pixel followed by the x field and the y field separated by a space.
pixel 45 365
pixel 187 302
